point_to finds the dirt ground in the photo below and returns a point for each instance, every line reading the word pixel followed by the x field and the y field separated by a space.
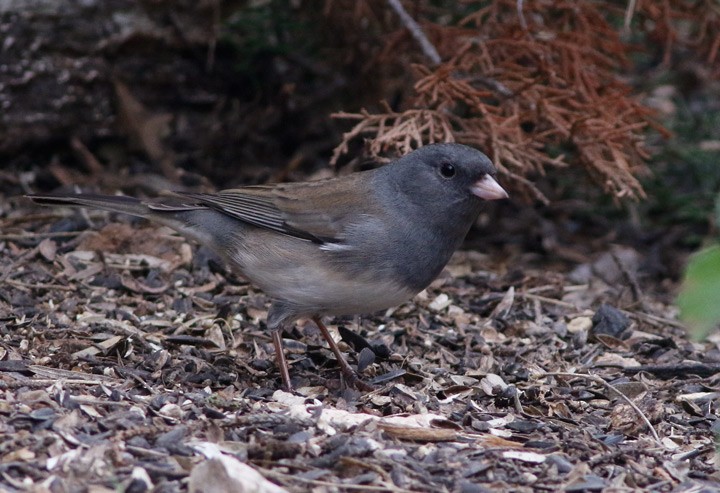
pixel 132 361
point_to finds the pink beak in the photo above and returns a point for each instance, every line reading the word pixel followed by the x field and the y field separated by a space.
pixel 488 189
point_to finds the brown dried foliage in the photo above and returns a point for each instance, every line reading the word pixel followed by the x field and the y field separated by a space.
pixel 548 95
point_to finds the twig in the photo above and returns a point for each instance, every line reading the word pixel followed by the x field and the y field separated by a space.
pixel 496 86
pixel 69 375
pixel 98 402
pixel 58 287
pixel 31 236
pixel 416 32
pixel 629 12
pixel 629 277
pixel 545 299
pixel 646 317
pixel 14 265
pixel 521 16
pixel 676 370
pixel 44 382
pixel 86 157
pixel 353 462
pixel 694 453
pixel 607 385
pixel 359 487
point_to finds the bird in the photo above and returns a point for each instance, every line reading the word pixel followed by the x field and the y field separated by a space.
pixel 348 245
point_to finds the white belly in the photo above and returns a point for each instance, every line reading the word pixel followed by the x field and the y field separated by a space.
pixel 315 289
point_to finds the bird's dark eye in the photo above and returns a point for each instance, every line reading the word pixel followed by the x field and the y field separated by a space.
pixel 447 170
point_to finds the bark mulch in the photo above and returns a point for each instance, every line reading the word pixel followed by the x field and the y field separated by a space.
pixel 132 361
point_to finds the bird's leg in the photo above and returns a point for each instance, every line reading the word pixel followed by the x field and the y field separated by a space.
pixel 281 361
pixel 345 368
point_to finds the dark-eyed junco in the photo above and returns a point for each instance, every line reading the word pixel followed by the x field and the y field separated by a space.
pixel 350 245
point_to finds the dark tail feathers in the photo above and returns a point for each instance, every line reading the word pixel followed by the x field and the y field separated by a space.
pixel 113 203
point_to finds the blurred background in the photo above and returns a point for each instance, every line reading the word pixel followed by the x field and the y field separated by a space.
pixel 603 116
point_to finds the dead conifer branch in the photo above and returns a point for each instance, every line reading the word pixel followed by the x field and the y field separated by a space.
pixel 556 88
pixel 398 133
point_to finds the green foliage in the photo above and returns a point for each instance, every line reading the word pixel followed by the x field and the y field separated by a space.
pixel 699 300
pixel 685 192
pixel 262 29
